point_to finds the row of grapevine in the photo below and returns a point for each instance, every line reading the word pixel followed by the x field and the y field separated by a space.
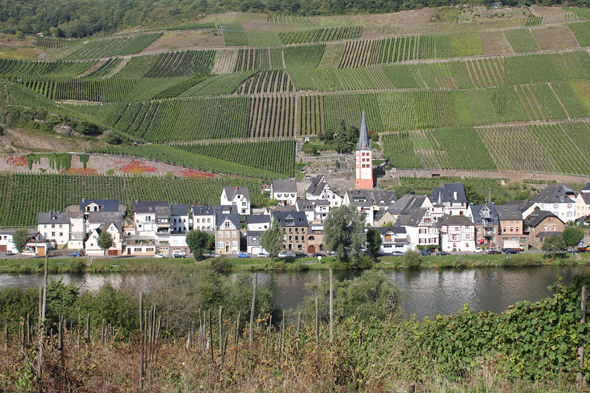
pixel 533 21
pixel 311 114
pixel 234 34
pixel 307 21
pixel 225 62
pixel 179 88
pixel 194 26
pixel 267 82
pixel 218 85
pixel 320 35
pixel 521 40
pixel 215 160
pixel 276 156
pixel 443 148
pixel 21 68
pixel 27 195
pixel 272 116
pixel 84 90
pixel 581 32
pixel 186 63
pixel 547 148
pixel 48 42
pixel 306 56
pixel 119 46
pixel 105 68
pixel 251 59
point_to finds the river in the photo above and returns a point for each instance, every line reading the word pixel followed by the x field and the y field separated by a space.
pixel 427 292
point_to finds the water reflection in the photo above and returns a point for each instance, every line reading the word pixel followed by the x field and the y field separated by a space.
pixel 427 292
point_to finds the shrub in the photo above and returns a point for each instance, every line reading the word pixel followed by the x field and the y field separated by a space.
pixel 412 259
pixel 279 266
pixel 460 263
pixel 445 263
pixel 77 266
pixel 112 139
pixel 365 262
pixel 221 265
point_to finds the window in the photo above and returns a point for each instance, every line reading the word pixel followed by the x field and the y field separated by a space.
pixel 137 249
pixel 52 233
pixel 220 244
pixel 149 249
pixel 227 234
pixel 556 206
pixel 61 234
pixel 523 239
pixel 234 244
pixel 235 234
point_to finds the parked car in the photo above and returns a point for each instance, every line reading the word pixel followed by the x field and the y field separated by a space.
pixel 510 251
pixel 159 256
pixel 263 255
pixel 213 254
pixel 424 252
pixel 178 254
pixel 583 248
pixel 494 251
pixel 242 254
pixel 318 254
pixel 443 253
pixel 77 254
pixel 283 255
pixel 300 255
pixel 9 253
pixel 397 254
pixel 478 249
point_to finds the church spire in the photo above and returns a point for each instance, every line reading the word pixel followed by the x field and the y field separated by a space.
pixel 364 142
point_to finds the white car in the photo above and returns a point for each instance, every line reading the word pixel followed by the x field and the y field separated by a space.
pixel 478 249
pixel 283 255
pixel 159 256
pixel 262 255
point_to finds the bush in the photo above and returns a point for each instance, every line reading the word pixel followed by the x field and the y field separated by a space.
pixel 220 265
pixel 412 259
pixel 112 139
pixel 460 263
pixel 365 262
pixel 445 263
pixel 77 266
pixel 278 266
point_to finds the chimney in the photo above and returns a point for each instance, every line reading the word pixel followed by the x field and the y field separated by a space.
pixel 455 194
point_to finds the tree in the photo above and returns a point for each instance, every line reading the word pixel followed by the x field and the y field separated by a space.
pixel 373 241
pixel 412 259
pixel 20 240
pixel 105 241
pixel 272 239
pixel 572 236
pixel 197 241
pixel 554 244
pixel 344 232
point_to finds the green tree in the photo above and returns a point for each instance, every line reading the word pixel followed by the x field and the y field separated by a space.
pixel 344 232
pixel 412 259
pixel 272 239
pixel 20 239
pixel 572 236
pixel 60 299
pixel 198 241
pixel 554 244
pixel 105 241
pixel 373 241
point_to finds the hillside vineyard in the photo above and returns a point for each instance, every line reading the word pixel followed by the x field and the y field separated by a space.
pixel 451 88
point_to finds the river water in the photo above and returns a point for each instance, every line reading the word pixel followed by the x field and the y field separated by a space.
pixel 427 292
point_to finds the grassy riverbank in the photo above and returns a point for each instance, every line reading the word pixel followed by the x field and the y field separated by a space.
pixel 140 265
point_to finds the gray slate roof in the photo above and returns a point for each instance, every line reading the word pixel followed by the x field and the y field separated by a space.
pixel 537 216
pixel 232 191
pixel 179 210
pixel 234 218
pixel 509 212
pixel 202 210
pixel 105 226
pixel 105 217
pixel 257 219
pixel 250 238
pixel 555 193
pixel 289 185
pixel 317 185
pixel 299 218
pixel 225 209
pixel 364 142
pixel 149 206
pixel 393 229
pixel 454 220
pixel 446 194
pixel 477 213
pixel 370 198
pixel 412 217
pixel 109 205
pixel 53 218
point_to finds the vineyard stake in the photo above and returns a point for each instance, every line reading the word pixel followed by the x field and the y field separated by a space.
pixel 331 313
pixel 581 379
pixel 251 337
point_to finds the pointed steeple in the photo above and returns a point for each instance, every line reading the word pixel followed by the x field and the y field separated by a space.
pixel 364 142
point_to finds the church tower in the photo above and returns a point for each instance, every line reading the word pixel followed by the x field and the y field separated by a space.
pixel 364 159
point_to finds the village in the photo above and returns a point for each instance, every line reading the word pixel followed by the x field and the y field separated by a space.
pixel 442 222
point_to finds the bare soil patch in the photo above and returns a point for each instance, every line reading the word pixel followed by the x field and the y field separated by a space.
pixel 494 43
pixel 547 11
pixel 186 39
pixel 554 37
pixel 26 141
pixel 25 49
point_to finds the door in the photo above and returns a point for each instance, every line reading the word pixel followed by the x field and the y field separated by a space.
pixel 112 252
pixel 3 247
pixel 311 249
pixel 41 251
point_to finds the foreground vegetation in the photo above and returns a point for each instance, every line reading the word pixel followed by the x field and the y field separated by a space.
pixel 195 337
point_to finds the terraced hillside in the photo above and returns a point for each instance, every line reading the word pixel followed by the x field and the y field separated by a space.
pixel 234 92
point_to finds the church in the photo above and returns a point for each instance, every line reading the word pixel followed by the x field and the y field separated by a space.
pixel 364 159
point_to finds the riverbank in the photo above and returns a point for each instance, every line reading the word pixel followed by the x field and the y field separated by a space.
pixel 145 265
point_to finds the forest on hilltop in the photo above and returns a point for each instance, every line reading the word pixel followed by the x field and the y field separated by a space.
pixel 82 18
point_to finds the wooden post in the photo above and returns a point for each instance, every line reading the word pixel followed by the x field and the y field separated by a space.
pixel 282 338
pixel 141 367
pixel 298 328
pixel 267 334
pixel 237 335
pixel 28 329
pixel 6 336
pixel 251 337
pixel 211 338
pixel 581 379
pixel 317 321
pixel 88 328
pixel 42 319
pixel 140 311
pixel 331 312
pixel 220 336
pixel 102 336
pixel 61 337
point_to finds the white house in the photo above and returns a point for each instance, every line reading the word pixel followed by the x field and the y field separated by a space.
pixel 456 233
pixel 178 243
pixel 257 222
pixel 320 190
pixel 179 222
pixel 115 229
pixel 55 227
pixel 253 242
pixel 363 202
pixel 236 196
pixel 152 218
pixel 394 239
pixel 99 205
pixel 421 227
pixel 449 199
pixel 284 191
pixel 583 203
pixel 203 218
pixel 559 200
pixel 6 243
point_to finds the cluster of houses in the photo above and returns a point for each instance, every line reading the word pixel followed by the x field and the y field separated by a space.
pixel 444 220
